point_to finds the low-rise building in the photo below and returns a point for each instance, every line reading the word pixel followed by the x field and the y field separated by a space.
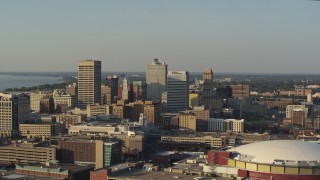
pixel 70 119
pixel 41 130
pixel 56 171
pixel 20 153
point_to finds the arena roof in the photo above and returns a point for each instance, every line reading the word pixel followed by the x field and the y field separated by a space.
pixel 288 152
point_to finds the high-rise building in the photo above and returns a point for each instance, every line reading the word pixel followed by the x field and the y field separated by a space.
pixel 14 109
pixel 177 91
pixel 207 93
pixel 113 83
pixel 89 83
pixel 126 90
pixel 156 78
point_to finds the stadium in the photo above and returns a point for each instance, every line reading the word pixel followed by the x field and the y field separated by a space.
pixel 278 159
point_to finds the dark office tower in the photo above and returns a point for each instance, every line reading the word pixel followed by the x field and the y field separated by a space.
pixel 89 83
pixel 207 93
pixel 113 83
pixel 224 92
pixel 177 91
pixel 156 78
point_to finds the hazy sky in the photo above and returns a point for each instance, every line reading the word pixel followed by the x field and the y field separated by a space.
pixel 267 36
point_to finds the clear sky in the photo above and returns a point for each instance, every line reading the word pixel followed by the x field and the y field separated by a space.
pixel 256 36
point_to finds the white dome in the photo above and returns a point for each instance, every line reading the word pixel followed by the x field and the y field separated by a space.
pixel 288 150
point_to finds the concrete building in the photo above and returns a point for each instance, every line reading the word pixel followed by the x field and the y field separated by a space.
pixel 177 91
pixel 70 119
pixel 152 111
pixel 41 130
pixel 89 83
pixel 298 117
pixel 202 116
pixel 139 91
pixel 21 153
pixel 83 152
pixel 215 142
pixel 97 109
pixel 55 171
pixel 88 129
pixel 106 96
pixel 14 109
pixel 208 89
pixel 156 78
pixel 216 125
pixel 291 108
pixel 35 98
pixel 279 103
pixel 60 98
pixel 224 125
pixel 72 90
pixel 118 110
pixel 187 121
pixel 240 91
pixel 126 90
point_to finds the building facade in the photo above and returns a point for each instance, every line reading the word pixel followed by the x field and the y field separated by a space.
pixel 156 77
pixel 89 83
pixel 207 92
pixel 14 109
pixel 177 91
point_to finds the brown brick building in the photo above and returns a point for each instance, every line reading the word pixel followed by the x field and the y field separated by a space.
pixel 81 152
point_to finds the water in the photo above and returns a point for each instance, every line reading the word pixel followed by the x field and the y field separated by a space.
pixel 17 81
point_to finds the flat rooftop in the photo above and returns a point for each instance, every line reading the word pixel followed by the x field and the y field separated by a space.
pixel 138 174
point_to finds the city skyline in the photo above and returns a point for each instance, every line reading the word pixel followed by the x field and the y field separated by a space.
pixel 241 37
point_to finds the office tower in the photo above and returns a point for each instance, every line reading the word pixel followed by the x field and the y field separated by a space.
pixel 156 78
pixel 89 83
pixel 207 93
pixel 14 109
pixel 126 89
pixel 177 91
pixel 113 83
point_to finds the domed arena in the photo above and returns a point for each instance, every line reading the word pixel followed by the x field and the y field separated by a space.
pixel 277 159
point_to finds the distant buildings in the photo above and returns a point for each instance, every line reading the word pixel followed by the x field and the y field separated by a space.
pixel 240 91
pixel 89 83
pixel 177 91
pixel 224 125
pixel 14 109
pixel 156 78
pixel 291 108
